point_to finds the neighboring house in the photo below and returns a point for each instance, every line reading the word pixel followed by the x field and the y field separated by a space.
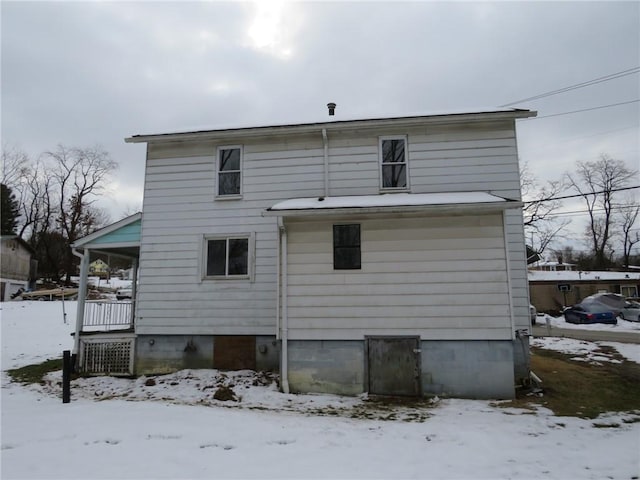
pixel 550 291
pixel 552 266
pixel 99 268
pixel 382 255
pixel 17 266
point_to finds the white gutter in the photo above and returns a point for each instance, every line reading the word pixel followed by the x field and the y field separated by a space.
pixel 284 368
pixel 449 209
pixel 82 295
pixel 325 142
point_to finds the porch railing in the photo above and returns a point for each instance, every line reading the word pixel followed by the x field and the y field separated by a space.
pixel 107 315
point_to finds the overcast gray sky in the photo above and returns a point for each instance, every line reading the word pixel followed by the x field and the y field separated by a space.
pixel 86 73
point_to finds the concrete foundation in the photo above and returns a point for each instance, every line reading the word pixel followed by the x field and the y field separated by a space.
pixel 323 366
pixel 455 368
pixel 158 354
pixel 468 368
pixel 465 369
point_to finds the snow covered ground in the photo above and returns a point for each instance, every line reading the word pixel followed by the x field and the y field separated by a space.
pixel 172 427
pixel 622 326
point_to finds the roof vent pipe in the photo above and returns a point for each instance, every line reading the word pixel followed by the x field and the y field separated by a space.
pixel 332 108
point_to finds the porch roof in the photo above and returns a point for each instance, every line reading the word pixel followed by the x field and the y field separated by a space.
pixel 119 238
pixel 392 202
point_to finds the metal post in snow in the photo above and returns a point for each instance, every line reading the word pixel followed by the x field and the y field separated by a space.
pixel 66 376
pixel 64 313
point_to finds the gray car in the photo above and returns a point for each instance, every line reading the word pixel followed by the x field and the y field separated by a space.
pixel 631 311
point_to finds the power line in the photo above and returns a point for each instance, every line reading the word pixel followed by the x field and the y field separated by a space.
pixel 582 195
pixel 585 212
pixel 583 110
pixel 588 83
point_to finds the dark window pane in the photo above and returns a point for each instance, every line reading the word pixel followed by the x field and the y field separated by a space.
pixel 346 258
pixel 230 159
pixel 229 183
pixel 393 151
pixel 216 257
pixel 394 176
pixel 238 256
pixel 346 247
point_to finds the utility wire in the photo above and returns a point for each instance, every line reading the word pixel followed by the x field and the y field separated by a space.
pixel 583 110
pixel 586 212
pixel 588 83
pixel 582 195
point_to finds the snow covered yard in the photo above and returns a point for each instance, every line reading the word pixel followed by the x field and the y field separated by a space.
pixel 172 427
pixel 559 322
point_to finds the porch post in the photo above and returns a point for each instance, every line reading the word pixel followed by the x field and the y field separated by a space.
pixel 82 295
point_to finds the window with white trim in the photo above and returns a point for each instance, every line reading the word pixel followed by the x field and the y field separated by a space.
pixel 229 171
pixel 394 165
pixel 629 291
pixel 227 257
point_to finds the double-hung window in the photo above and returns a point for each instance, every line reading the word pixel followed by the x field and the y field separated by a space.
pixel 346 247
pixel 229 171
pixel 227 257
pixel 394 171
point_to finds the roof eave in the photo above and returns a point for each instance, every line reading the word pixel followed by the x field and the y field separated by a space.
pixel 106 230
pixel 458 208
pixel 340 124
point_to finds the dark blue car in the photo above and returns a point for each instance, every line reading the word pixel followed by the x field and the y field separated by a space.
pixel 590 312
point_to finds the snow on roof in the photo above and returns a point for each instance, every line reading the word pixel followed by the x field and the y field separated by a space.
pixel 553 264
pixel 387 200
pixel 572 275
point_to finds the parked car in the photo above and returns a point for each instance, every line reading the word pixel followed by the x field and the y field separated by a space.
pixel 123 294
pixel 533 313
pixel 613 301
pixel 590 312
pixel 631 311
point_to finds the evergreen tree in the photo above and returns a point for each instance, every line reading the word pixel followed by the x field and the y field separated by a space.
pixel 10 210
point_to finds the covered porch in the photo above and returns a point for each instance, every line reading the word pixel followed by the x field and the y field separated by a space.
pixel 104 338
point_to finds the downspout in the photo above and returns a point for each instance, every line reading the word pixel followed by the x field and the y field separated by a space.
pixel 82 295
pixel 509 279
pixel 284 368
pixel 325 141
pixel 134 291
pixel 278 257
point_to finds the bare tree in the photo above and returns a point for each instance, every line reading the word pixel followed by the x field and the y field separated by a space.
pixel 15 165
pixel 629 213
pixel 80 174
pixel 540 206
pixel 597 183
pixel 38 208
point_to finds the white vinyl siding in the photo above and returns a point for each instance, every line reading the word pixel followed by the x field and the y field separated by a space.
pixel 436 277
pixel 181 208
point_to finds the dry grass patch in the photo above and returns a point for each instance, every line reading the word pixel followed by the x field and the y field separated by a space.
pixel 581 389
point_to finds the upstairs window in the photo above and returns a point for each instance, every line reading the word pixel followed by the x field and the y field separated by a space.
pixel 393 163
pixel 229 172
pixel 346 247
pixel 227 257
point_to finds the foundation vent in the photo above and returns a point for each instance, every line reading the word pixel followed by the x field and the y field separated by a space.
pixel 111 356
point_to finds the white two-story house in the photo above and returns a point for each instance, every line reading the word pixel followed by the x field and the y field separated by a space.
pixel 379 255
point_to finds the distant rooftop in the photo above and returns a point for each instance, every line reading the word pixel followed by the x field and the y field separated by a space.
pixel 573 275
